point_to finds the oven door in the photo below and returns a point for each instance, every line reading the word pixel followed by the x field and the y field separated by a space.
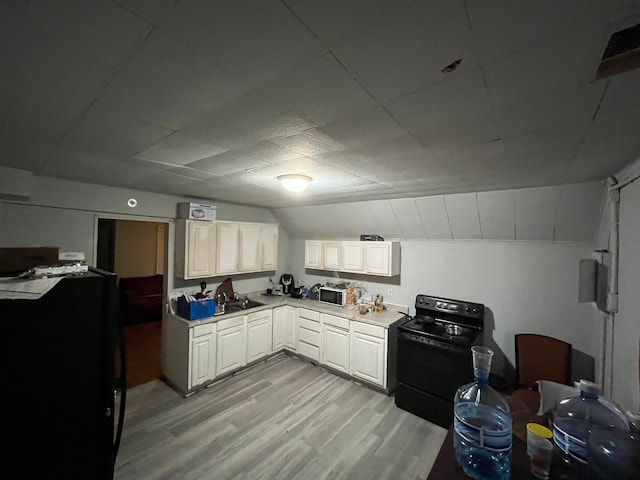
pixel 432 366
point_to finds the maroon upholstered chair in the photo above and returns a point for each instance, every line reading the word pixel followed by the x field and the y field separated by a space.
pixel 539 357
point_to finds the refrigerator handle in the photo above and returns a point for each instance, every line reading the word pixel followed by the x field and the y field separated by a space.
pixel 121 382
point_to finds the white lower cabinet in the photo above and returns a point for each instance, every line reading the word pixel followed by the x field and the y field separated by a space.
pixel 203 354
pixel 368 353
pixel 336 348
pixel 335 342
pixel 309 333
pixel 284 328
pixel 232 350
pixel 259 335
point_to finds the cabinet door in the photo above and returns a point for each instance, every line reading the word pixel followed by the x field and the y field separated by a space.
pixel 378 255
pixel 331 255
pixel 203 359
pixel 312 254
pixel 227 247
pixel 290 337
pixel 258 335
pixel 250 239
pixel 367 358
pixel 200 249
pixel 353 257
pixel 231 349
pixel 279 315
pixel 336 348
pixel 269 247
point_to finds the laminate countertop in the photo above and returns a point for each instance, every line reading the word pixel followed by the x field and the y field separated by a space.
pixel 392 315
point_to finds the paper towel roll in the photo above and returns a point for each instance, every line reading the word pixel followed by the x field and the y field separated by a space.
pixel 587 280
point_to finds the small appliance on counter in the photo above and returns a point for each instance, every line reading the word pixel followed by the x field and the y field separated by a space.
pixel 297 292
pixel 286 280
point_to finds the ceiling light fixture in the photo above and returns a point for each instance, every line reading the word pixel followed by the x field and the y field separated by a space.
pixel 294 182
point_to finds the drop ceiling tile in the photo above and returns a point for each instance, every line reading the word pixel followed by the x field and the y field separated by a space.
pixel 161 181
pixel 497 215
pixel 579 212
pixel 463 215
pixel 151 10
pixel 110 131
pixel 191 173
pixel 459 95
pixel 503 28
pixel 268 151
pixel 554 65
pixel 255 43
pixel 261 117
pixel 319 92
pixel 364 127
pixel 165 82
pixel 617 101
pixel 392 149
pixel 337 22
pixel 309 142
pixel 479 128
pixel 411 49
pixel 554 111
pixel 189 147
pixel 55 28
pixel 404 207
pixel 227 163
pixel 435 219
pixel 536 213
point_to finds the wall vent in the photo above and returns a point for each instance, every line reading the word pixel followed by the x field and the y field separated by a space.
pixel 622 53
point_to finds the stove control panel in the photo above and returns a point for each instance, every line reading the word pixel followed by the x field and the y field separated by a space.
pixel 426 303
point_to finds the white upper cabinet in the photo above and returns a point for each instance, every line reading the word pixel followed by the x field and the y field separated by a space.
pixel 195 249
pixel 250 239
pixel 369 258
pixel 353 257
pixel 269 247
pixel 246 247
pixel 227 251
pixel 382 258
pixel 313 254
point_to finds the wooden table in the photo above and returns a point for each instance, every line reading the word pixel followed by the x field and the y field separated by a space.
pixel 445 466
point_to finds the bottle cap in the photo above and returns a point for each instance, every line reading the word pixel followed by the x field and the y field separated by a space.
pixel 539 430
pixel 589 387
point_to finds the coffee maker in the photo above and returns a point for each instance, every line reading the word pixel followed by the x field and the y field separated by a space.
pixel 286 280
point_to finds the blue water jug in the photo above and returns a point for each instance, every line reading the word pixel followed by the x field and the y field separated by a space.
pixel 592 437
pixel 482 425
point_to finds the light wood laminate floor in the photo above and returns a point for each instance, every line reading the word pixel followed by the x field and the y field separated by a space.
pixel 282 419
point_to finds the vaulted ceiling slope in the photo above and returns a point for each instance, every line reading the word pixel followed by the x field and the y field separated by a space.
pixel 215 99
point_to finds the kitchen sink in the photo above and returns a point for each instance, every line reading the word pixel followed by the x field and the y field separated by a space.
pixel 238 307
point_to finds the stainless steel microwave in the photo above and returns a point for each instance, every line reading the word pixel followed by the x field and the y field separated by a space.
pixel 333 296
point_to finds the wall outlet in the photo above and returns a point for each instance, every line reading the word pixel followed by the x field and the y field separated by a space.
pixel 390 292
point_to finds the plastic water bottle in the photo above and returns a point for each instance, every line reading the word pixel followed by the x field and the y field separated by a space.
pixel 482 425
pixel 592 437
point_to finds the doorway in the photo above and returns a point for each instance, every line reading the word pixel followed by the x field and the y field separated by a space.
pixel 136 250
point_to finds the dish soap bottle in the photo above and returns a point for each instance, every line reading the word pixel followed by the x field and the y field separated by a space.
pixel 482 424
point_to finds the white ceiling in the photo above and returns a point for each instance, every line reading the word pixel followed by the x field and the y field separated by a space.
pixel 215 99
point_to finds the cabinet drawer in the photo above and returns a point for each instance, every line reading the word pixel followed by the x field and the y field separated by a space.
pixel 204 329
pixel 310 314
pixel 309 351
pixel 308 336
pixel 339 322
pixel 263 315
pixel 309 325
pixel 230 322
pixel 373 330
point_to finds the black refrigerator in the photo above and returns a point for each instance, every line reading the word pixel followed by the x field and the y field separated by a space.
pixel 64 376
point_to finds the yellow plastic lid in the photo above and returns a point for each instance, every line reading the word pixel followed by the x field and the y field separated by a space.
pixel 539 430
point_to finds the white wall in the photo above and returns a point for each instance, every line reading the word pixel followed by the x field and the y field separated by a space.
pixel 62 213
pixel 527 287
pixel 626 390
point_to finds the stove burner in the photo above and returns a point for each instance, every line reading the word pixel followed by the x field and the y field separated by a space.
pixel 424 320
pixel 454 329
